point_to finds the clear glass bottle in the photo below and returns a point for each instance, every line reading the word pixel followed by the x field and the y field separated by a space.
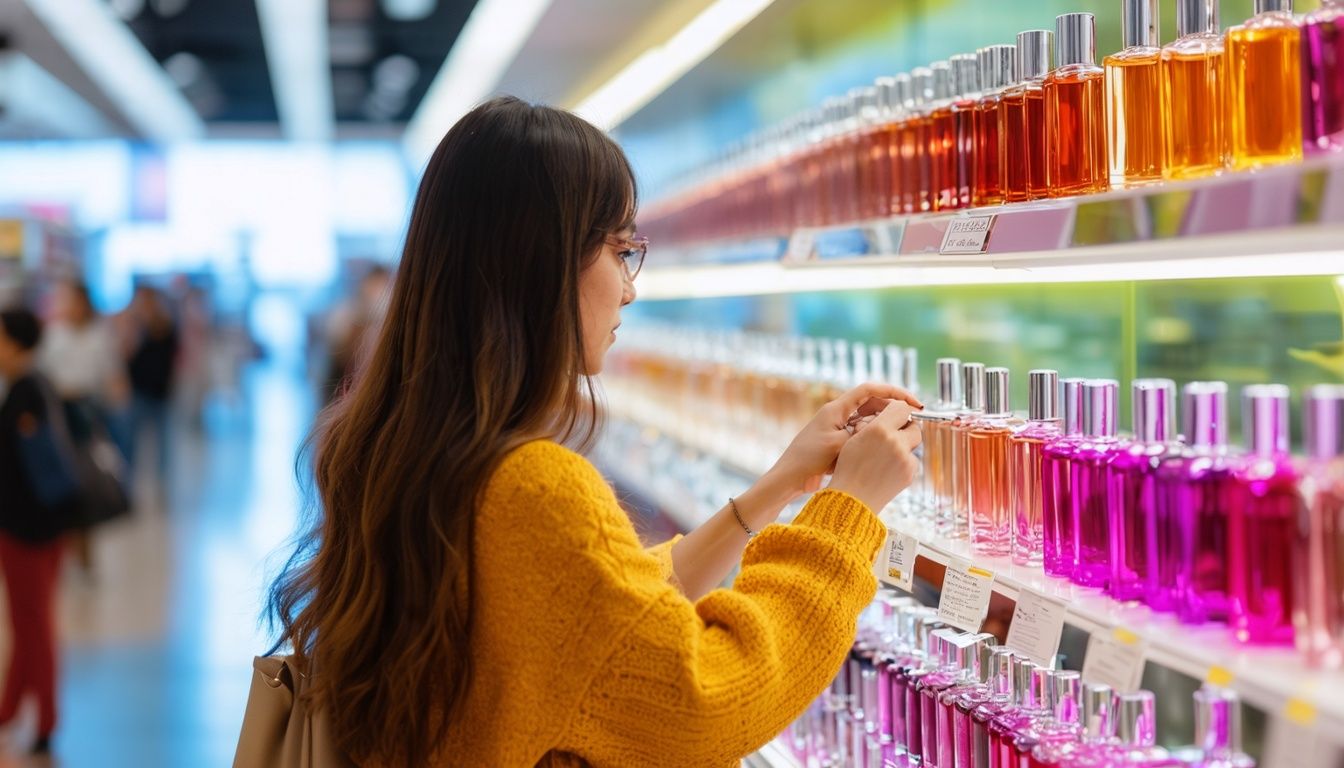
pixel 996 64
pixel 1133 95
pixel 1265 86
pixel 989 519
pixel 954 524
pixel 1136 731
pixel 1024 162
pixel 1318 548
pixel 966 95
pixel 1062 727
pixel 1075 110
pixel 1194 93
pixel 1218 730
pixel 1323 78
pixel 1096 741
pixel 1088 473
pixel 1131 504
pixel 1026 466
pixel 1058 556
pixel 935 421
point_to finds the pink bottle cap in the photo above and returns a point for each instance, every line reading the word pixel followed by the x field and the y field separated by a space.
pixel 1154 402
pixel 1099 407
pixel 1264 419
pixel 1204 407
pixel 1323 421
pixel 1071 405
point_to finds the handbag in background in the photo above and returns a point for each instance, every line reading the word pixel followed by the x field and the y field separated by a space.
pixel 279 729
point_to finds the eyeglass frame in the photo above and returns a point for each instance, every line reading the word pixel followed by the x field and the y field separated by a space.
pixel 628 245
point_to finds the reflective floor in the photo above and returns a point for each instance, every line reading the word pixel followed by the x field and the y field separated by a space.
pixel 159 639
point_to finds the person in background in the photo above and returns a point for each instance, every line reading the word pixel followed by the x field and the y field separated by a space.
pixel 30 535
pixel 352 323
pixel 152 359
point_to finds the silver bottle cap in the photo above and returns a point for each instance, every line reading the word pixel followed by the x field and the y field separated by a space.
pixel 1139 23
pixel 1204 410
pixel 996 667
pixel 1035 54
pixel 998 66
pixel 921 85
pixel 973 386
pixel 1075 39
pixel 1217 721
pixel 905 92
pixel 942 80
pixel 1323 421
pixel 865 101
pixel 1136 719
pixel 1042 394
pixel 949 382
pixel 1194 17
pixel 1099 407
pixel 1022 674
pixel 1066 696
pixel 996 392
pixel 909 378
pixel 1098 710
pixel 1071 405
pixel 1042 690
pixel 1264 419
pixel 965 74
pixel 972 651
pixel 1266 6
pixel 1154 402
pixel 887 101
pixel 877 369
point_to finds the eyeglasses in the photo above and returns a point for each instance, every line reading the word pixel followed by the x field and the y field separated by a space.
pixel 632 253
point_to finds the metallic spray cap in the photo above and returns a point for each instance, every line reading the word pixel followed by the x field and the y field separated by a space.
pixel 1323 421
pixel 998 671
pixel 943 645
pixel 866 100
pixel 1022 672
pixel 996 392
pixel 965 74
pixel 909 377
pixel 886 95
pixel 1075 39
pixel 1154 402
pixel 974 653
pixel 1035 54
pixel 895 365
pixel 1204 411
pixel 949 382
pixel 1266 6
pixel 925 625
pixel 1217 721
pixel 1136 719
pixel 1099 407
pixel 1194 17
pixel 905 92
pixel 1066 695
pixel 1042 394
pixel 1071 405
pixel 1098 711
pixel 877 369
pixel 998 66
pixel 921 85
pixel 942 80
pixel 973 386
pixel 1042 690
pixel 1264 419
pixel 1139 24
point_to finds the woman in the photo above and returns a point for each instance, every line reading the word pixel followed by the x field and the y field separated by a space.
pixel 473 594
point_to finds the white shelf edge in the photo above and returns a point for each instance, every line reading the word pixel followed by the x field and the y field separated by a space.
pixel 777 755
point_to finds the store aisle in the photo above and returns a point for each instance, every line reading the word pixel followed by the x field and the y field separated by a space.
pixel 158 646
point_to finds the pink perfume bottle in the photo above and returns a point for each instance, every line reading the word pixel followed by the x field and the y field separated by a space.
pixel 1218 730
pixel 954 525
pixel 1130 502
pixel 969 651
pixel 1136 730
pixel 970 738
pixel 1003 696
pixel 1033 706
pixel 1026 457
pixel 935 421
pixel 1318 548
pixel 944 647
pixel 1323 78
pixel 1056 485
pixel 927 663
pixel 1094 743
pixel 1262 522
pixel 1058 730
pixel 990 488
pixel 1089 470
pixel 907 655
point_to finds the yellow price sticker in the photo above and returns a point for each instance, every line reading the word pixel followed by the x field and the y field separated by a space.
pixel 1125 636
pixel 1300 711
pixel 1219 676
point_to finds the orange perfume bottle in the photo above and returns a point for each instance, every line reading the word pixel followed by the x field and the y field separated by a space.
pixel 1023 159
pixel 996 64
pixel 916 194
pixel 1194 75
pixel 990 523
pixel 881 151
pixel 1133 97
pixel 966 95
pixel 1264 90
pixel 941 140
pixel 1075 116
pixel 870 155
pixel 902 99
pixel 953 523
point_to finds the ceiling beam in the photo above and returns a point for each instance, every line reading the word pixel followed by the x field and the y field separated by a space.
pixel 296 39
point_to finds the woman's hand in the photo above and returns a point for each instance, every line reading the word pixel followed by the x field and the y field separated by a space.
pixel 813 453
pixel 879 461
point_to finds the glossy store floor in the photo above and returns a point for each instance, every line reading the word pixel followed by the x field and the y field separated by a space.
pixel 158 643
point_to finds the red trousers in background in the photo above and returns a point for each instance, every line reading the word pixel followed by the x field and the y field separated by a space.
pixel 31 572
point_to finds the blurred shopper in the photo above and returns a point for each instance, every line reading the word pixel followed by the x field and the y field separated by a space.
pixel 196 344
pixel 351 325
pixel 152 361
pixel 472 593
pixel 30 531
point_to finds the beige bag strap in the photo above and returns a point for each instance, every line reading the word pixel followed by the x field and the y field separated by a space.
pixel 278 730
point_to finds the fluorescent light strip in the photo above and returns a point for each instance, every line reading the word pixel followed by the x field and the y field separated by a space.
pixel 295 35
pixel 657 68
pixel 36 101
pixel 489 41
pixel 116 61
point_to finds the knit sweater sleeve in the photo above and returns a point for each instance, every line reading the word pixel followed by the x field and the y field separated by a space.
pixel 664 681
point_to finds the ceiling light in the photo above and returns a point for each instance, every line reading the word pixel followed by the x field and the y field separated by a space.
pixel 295 35
pixel 37 105
pixel 168 8
pixel 487 44
pixel 396 73
pixel 407 10
pixel 184 68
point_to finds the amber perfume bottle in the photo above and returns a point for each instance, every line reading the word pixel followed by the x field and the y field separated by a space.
pixel 882 151
pixel 996 63
pixel 916 193
pixel 902 100
pixel 966 96
pixel 1265 87
pixel 1023 159
pixel 953 524
pixel 942 140
pixel 935 484
pixel 989 518
pixel 1194 85
pixel 1133 92
pixel 870 162
pixel 1075 114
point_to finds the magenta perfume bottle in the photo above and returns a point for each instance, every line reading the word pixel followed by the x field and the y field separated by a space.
pixel 1056 486
pixel 1002 697
pixel 1262 522
pixel 971 737
pixel 1033 705
pixel 909 681
pixel 914 626
pixel 1061 728
pixel 1130 500
pixel 935 421
pixel 954 524
pixel 1318 548
pixel 990 521
pixel 944 647
pixel 1136 731
pixel 1094 743
pixel 1323 78
pixel 1218 730
pixel 1088 473
pixel 971 651
pixel 1026 468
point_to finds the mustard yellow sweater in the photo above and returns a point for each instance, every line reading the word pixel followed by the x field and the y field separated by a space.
pixel 584 650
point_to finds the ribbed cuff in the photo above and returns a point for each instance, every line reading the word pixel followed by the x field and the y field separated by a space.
pixel 846 517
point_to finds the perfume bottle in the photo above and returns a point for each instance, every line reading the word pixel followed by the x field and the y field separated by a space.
pixel 996 63
pixel 1088 474
pixel 971 738
pixel 1003 695
pixel 902 98
pixel 1093 744
pixel 1136 730
pixel 906 654
pixel 1218 730
pixel 1133 88
pixel 908 680
pixel 909 377
pixel 946 647
pixel 1322 83
pixel 882 149
pixel 1194 85
pixel 935 421
pixel 1058 555
pixel 953 524
pixel 1026 456
pixel 1033 706
pixel 987 436
pixel 1058 730
pixel 966 96
pixel 914 139
pixel 1023 157
pixel 873 162
pixel 1131 505
pixel 1075 112
pixel 1262 522
pixel 1318 548
pixel 1265 86
pixel 967 650
pixel 942 140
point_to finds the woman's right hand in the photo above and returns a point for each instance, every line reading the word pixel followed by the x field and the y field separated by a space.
pixel 878 462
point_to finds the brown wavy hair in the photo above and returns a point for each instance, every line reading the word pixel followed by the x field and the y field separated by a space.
pixel 480 351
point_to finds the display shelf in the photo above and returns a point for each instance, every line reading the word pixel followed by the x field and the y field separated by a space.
pixel 776 754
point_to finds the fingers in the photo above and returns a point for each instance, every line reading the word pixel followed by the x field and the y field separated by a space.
pixel 911 435
pixel 851 400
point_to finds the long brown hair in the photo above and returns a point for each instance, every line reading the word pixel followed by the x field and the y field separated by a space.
pixel 480 351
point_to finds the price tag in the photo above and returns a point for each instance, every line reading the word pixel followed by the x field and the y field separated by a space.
pixel 1115 659
pixel 1293 740
pixel 1038 624
pixel 967 234
pixel 802 246
pixel 1219 677
pixel 896 562
pixel 965 598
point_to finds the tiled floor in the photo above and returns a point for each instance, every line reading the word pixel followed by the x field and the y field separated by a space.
pixel 158 645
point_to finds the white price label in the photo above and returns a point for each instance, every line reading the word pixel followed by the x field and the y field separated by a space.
pixel 1038 624
pixel 967 234
pixel 1293 740
pixel 802 246
pixel 1115 659
pixel 896 561
pixel 965 598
